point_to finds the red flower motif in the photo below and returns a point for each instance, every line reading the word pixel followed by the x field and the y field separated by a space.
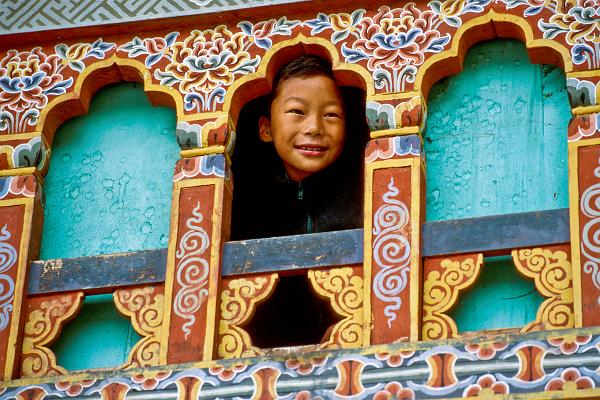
pixel 305 367
pixel 570 344
pixel 150 380
pixel 485 351
pixel 394 391
pixel 395 359
pixel 486 385
pixel 73 389
pixel 570 379
pixel 227 374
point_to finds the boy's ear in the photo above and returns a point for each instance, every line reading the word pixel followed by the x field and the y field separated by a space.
pixel 264 129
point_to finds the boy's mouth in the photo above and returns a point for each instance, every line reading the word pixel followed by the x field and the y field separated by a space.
pixel 311 149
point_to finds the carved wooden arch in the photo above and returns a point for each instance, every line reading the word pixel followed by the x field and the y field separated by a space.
pixel 259 83
pixel 492 25
pixel 95 76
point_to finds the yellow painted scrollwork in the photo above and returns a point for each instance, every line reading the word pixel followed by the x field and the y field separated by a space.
pixel 238 300
pixel 43 325
pixel 344 289
pixel 440 293
pixel 553 276
pixel 144 306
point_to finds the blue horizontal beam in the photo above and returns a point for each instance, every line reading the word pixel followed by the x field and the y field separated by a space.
pixel 495 234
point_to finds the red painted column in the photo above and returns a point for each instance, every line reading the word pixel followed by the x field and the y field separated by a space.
pixel 393 215
pixel 200 220
pixel 21 215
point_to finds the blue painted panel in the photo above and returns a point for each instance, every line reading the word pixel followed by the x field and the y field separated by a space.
pixel 496 140
pixel 109 185
pixel 108 190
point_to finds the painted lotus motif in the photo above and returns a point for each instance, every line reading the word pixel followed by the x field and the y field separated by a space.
pixel 394 42
pixel 204 63
pixel 28 78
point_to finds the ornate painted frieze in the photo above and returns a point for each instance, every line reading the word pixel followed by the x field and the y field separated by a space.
pixel 390 47
pixel 239 298
pixel 551 270
pixel 344 289
pixel 444 279
pixel 45 318
pixel 145 307
pixel 562 364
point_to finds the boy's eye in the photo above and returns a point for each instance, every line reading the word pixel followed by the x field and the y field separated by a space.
pixel 332 115
pixel 296 111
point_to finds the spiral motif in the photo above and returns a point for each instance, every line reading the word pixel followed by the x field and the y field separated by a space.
pixel 391 252
pixel 8 258
pixel 590 236
pixel 192 271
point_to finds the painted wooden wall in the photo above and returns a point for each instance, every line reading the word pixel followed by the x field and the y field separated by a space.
pixel 496 143
pixel 111 165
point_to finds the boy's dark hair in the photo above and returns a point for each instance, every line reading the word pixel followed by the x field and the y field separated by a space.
pixel 302 67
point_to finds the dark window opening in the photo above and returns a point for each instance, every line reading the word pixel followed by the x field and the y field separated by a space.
pixel 292 316
pixel 267 204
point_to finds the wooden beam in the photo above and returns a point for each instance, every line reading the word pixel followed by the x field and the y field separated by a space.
pixel 492 235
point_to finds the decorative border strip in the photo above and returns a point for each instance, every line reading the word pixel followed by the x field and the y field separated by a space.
pixel 446 369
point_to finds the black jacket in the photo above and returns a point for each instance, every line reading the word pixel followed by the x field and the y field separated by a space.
pixel 271 204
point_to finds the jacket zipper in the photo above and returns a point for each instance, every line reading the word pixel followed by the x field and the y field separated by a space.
pixel 309 220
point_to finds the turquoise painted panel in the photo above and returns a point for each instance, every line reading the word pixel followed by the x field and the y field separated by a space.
pixel 109 185
pixel 501 298
pixel 496 137
pixel 108 190
pixel 99 337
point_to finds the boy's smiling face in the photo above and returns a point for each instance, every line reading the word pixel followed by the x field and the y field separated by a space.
pixel 307 125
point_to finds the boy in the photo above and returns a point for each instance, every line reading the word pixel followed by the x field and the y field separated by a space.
pixel 311 179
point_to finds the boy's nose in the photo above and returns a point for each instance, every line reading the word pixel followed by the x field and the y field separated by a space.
pixel 314 126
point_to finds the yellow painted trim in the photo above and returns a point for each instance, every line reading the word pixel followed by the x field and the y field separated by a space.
pixel 409 130
pixel 17 171
pixel 415 210
pixel 367 255
pixel 202 151
pixel 214 275
pixel 584 74
pixel 19 136
pixel 21 276
pixel 574 224
pixel 493 16
pixel 172 248
pixel 300 39
pixel 586 110
pixel 394 96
